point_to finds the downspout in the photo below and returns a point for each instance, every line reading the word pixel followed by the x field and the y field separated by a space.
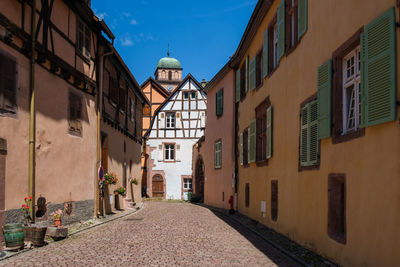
pixel 32 117
pixel 98 211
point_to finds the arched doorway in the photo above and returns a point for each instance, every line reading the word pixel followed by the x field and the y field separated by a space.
pixel 199 177
pixel 158 186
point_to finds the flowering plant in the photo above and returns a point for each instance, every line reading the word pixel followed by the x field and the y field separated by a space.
pixel 27 208
pixel 110 178
pixel 57 214
pixel 120 190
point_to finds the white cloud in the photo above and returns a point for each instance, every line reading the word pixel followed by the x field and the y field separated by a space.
pixel 134 22
pixel 126 41
pixel 126 14
pixel 102 15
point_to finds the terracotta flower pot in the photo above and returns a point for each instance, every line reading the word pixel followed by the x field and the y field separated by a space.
pixel 57 222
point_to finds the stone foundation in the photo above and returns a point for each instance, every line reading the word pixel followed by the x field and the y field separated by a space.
pixel 82 211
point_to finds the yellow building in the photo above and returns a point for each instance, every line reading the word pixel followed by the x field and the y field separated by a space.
pixel 319 149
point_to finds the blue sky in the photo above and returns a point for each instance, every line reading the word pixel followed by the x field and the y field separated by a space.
pixel 202 34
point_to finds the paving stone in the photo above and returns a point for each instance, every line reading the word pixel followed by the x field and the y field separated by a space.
pixel 162 234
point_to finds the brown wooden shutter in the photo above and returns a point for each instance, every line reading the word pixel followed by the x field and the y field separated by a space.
pixel 8 84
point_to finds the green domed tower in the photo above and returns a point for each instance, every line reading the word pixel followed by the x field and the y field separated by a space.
pixel 168 72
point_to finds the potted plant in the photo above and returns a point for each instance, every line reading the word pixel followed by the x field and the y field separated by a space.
pixel 56 216
pixel 110 178
pixel 120 191
pixel 134 181
pixel 32 233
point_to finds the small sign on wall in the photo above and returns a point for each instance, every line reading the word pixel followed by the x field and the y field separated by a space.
pixel 263 208
pixel 111 199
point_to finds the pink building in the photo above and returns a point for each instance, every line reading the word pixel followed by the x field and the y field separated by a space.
pixel 215 156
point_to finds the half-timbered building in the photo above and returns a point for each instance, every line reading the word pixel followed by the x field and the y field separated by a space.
pixel 177 125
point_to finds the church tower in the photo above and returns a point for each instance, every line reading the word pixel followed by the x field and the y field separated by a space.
pixel 168 72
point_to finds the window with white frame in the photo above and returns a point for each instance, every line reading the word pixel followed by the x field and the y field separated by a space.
pixel 170 120
pixel 351 91
pixel 169 152
pixel 193 95
pixel 185 95
pixel 187 183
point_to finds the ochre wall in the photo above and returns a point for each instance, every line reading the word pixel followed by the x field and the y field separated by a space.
pixel 220 180
pixel 371 163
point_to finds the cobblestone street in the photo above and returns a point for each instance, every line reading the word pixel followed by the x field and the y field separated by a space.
pixel 162 234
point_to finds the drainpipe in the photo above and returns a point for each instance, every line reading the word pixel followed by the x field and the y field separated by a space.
pixel 32 117
pixel 98 207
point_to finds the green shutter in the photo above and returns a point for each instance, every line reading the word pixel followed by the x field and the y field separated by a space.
pixel 281 29
pixel 309 143
pixel 265 54
pixel 324 99
pixel 252 74
pixel 302 18
pixel 241 148
pixel 379 66
pixel 219 101
pixel 252 141
pixel 237 92
pixel 215 156
pixel 304 136
pixel 269 132
pixel 313 133
pixel 246 83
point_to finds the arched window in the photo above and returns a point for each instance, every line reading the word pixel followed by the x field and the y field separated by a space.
pixel 170 75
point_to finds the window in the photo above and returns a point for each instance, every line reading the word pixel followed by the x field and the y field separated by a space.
pixel 193 94
pixel 75 113
pixel 274 200
pixel 259 60
pixel 219 103
pixel 247 195
pixel 185 95
pixel 8 84
pixel 243 81
pixel 261 129
pixel 291 24
pixel 309 143
pixel 132 109
pixel 169 75
pixel 169 151
pixel 273 45
pixel 218 154
pixel 113 95
pixel 122 99
pixel 83 38
pixel 337 207
pixel 170 120
pixel 187 184
pixel 351 91
pixel 346 104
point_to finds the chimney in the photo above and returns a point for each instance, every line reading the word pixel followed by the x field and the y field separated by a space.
pixel 203 83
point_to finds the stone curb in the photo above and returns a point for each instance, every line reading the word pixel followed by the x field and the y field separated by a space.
pixel 276 246
pixel 79 231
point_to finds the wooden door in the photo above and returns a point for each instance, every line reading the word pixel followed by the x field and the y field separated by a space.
pixel 104 152
pixel 158 186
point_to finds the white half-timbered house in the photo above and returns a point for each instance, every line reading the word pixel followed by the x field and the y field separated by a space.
pixel 177 125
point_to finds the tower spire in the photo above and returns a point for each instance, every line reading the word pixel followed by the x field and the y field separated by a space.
pixel 168 50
